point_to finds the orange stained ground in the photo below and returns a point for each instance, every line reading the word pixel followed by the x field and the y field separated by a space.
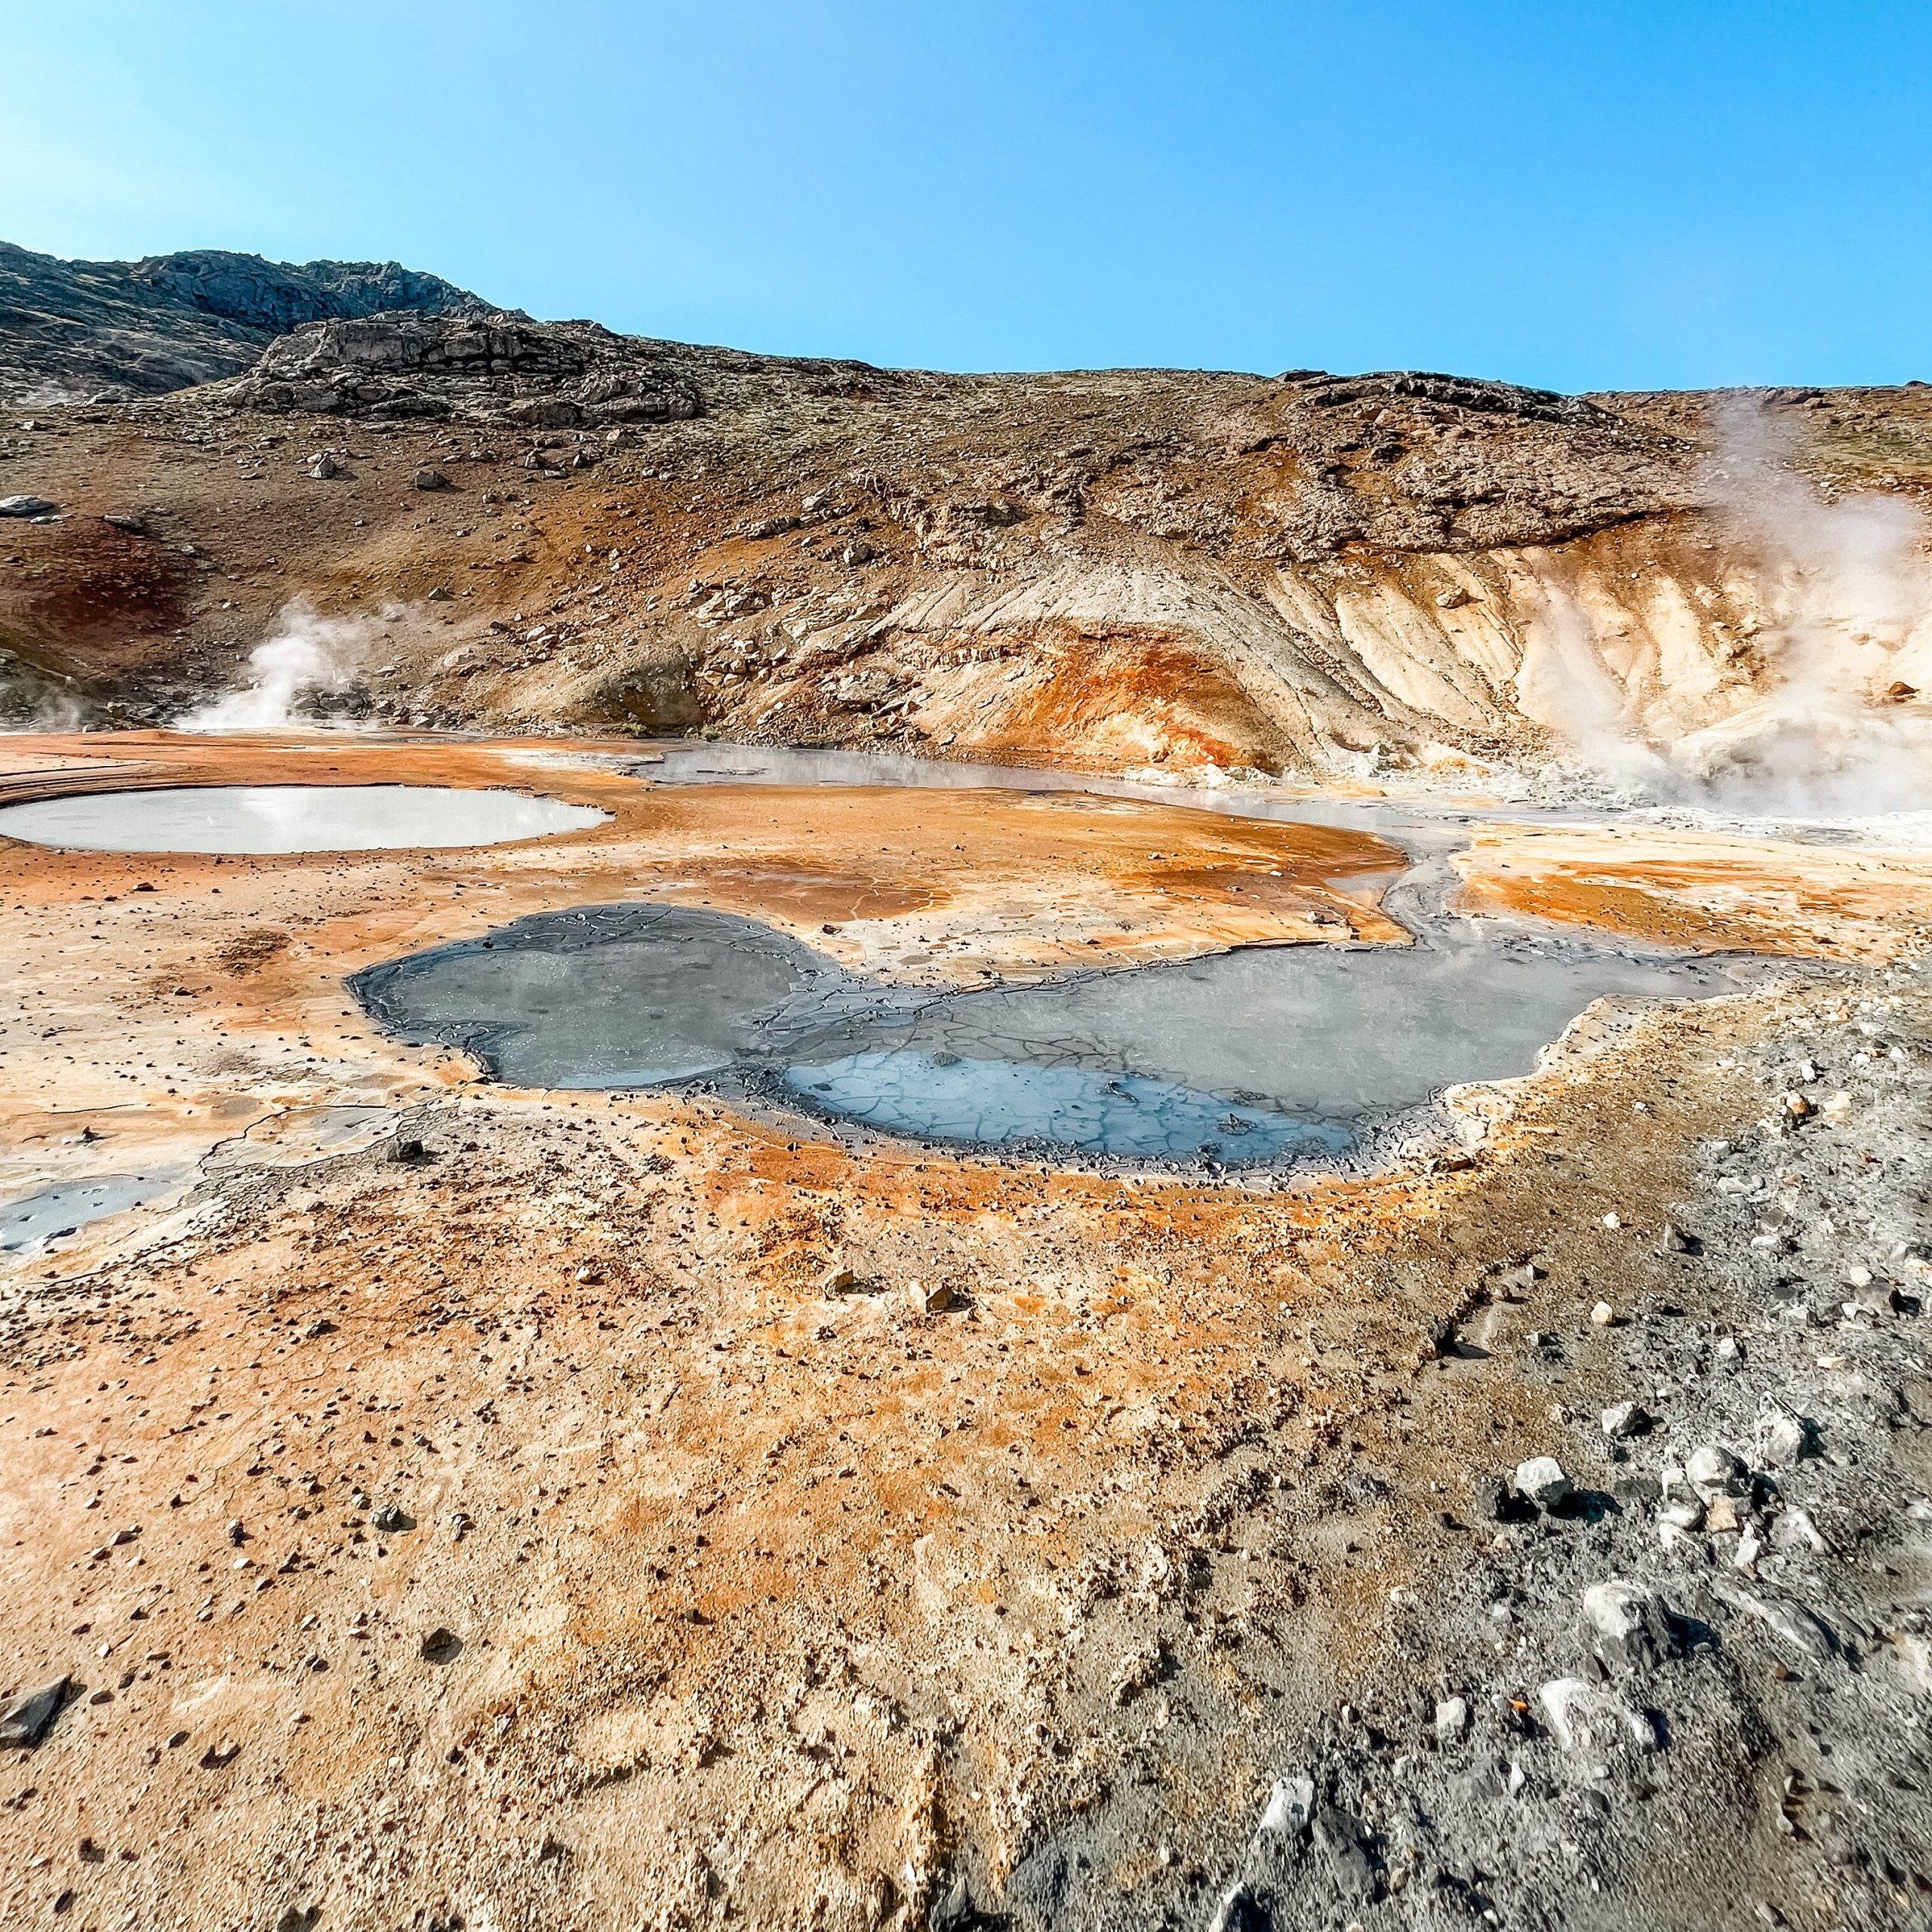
pixel 1712 891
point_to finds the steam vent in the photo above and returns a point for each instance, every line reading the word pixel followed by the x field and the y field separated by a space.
pixel 792 1145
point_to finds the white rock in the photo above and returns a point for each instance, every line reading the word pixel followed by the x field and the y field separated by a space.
pixel 1581 1714
pixel 1714 1471
pixel 1290 1805
pixel 1795 1532
pixel 1781 1438
pixel 1542 1481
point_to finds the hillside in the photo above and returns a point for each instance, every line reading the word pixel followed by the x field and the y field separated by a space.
pixel 539 527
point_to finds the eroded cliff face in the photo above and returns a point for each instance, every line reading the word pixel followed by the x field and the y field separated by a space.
pixel 547 527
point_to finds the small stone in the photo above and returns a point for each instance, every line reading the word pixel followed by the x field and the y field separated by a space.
pixel 1721 1516
pixel 1602 1316
pixel 1795 1532
pixel 1613 1219
pixel 1581 1714
pixel 391 1520
pixel 1290 1805
pixel 1629 1624
pixel 238 1532
pixel 26 506
pixel 429 478
pixel 1622 1420
pixel 442 1646
pixel 405 1153
pixel 1796 1106
pixel 1783 1439
pixel 1339 1844
pixel 325 467
pixel 840 1281
pixel 953 1910
pixel 1452 1718
pixel 941 1300
pixel 1542 1481
pixel 25 1718
pixel 1713 1470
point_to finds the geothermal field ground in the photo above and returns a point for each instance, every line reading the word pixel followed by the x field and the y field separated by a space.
pixel 789 1145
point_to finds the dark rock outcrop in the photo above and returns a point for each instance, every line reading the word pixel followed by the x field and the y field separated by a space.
pixel 71 330
pixel 490 368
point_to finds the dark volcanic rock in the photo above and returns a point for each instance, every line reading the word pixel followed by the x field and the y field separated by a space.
pixel 72 330
pixel 497 368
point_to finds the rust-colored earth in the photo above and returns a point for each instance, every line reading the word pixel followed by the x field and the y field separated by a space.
pixel 1708 891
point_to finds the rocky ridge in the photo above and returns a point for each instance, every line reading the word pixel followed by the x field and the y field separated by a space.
pixel 73 331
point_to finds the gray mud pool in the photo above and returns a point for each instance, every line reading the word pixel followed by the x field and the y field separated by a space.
pixel 32 1219
pixel 291 818
pixel 1262 1056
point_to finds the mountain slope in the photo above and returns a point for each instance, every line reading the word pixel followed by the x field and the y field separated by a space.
pixel 69 331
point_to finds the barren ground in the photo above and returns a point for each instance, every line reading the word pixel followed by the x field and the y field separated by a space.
pixel 715 1596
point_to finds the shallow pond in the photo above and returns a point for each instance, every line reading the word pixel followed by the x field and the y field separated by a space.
pixel 62 1207
pixel 291 818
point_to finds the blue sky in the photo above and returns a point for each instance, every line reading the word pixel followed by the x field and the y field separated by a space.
pixel 1632 195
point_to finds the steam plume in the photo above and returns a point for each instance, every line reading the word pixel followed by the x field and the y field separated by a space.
pixel 308 654
pixel 1845 589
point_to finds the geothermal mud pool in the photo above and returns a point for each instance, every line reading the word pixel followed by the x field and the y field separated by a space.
pixel 482 1499
pixel 237 819
pixel 1248 1057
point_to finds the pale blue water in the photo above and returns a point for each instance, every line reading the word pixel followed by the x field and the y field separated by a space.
pixel 996 1102
pixel 291 818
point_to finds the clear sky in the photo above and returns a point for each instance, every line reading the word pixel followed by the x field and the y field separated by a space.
pixel 1630 193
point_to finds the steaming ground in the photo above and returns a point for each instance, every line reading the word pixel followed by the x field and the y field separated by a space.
pixel 308 660
pixel 435 1502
